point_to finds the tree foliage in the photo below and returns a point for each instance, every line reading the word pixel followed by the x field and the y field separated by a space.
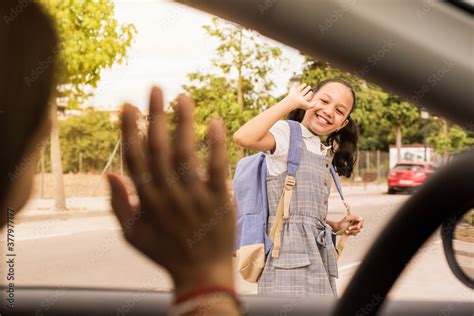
pixel 90 137
pixel 450 141
pixel 91 39
pixel 378 113
pixel 239 84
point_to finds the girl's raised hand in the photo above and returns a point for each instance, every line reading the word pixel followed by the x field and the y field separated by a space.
pixel 300 96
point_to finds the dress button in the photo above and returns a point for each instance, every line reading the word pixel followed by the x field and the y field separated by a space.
pixel 325 202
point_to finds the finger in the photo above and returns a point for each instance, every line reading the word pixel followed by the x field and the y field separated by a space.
pixel 309 96
pixel 351 232
pixel 351 218
pixel 306 90
pixel 125 212
pixel 353 227
pixel 185 143
pixel 133 149
pixel 301 87
pixel 158 140
pixel 217 160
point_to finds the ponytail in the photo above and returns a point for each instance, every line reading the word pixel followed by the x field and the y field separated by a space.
pixel 344 148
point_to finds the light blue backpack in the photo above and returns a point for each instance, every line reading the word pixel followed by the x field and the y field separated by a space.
pixel 252 243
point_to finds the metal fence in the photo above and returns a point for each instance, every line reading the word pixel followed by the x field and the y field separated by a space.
pixel 375 163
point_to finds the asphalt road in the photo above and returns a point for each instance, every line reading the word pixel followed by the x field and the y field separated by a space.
pixel 90 252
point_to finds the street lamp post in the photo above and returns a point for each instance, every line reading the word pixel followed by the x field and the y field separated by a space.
pixel 425 115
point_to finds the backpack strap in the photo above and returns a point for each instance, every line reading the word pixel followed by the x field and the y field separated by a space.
pixel 335 177
pixel 342 241
pixel 283 209
pixel 294 153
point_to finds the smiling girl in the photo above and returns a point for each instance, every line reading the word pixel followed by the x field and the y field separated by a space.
pixel 306 264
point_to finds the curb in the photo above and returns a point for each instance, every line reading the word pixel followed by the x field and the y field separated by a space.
pixel 29 216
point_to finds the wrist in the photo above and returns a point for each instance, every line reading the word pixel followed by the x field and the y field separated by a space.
pixel 289 104
pixel 216 274
pixel 334 225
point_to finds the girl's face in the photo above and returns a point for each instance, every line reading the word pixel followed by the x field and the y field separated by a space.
pixel 334 104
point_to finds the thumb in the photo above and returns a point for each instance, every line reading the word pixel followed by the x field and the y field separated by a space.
pixel 119 198
pixel 312 104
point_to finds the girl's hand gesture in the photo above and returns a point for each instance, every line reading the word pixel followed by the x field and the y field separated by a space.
pixel 300 96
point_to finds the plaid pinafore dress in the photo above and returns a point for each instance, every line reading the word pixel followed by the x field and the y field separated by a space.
pixel 307 261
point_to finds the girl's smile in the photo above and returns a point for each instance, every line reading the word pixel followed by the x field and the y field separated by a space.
pixel 322 120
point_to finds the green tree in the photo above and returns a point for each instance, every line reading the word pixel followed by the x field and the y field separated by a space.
pixel 91 40
pixel 382 118
pixel 449 139
pixel 315 70
pixel 400 114
pixel 239 85
pixel 91 137
pixel 87 142
pixel 370 102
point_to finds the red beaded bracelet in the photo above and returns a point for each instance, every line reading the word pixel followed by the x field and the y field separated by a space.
pixel 204 291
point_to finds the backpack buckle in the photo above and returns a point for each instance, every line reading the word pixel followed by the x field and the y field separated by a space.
pixel 290 182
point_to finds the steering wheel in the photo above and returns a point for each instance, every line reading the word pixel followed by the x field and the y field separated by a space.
pixel 448 193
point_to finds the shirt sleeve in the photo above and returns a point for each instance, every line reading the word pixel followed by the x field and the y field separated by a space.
pixel 281 132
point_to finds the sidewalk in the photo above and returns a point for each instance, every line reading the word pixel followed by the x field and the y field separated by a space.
pixel 81 207
pixel 78 207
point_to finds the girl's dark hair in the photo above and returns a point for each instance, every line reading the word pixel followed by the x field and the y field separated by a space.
pixel 28 57
pixel 343 142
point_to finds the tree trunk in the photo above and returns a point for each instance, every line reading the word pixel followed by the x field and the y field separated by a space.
pixel 56 165
pixel 445 134
pixel 240 92
pixel 378 164
pixel 399 143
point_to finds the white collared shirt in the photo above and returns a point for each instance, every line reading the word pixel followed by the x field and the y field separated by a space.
pixel 277 162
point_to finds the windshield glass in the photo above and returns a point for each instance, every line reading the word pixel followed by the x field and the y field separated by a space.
pixel 409 167
pixel 68 236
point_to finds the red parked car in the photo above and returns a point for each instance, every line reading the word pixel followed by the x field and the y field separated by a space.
pixel 407 176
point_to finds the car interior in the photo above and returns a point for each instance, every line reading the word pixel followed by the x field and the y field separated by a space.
pixel 423 47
